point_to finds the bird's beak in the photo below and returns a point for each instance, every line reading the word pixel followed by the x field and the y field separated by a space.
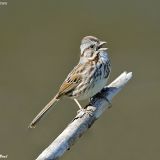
pixel 102 43
pixel 100 46
pixel 102 49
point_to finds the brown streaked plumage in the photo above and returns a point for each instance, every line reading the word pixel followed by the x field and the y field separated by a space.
pixel 87 78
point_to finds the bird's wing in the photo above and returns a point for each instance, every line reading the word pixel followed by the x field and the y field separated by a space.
pixel 72 80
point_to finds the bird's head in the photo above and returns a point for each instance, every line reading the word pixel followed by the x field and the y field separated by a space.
pixel 91 43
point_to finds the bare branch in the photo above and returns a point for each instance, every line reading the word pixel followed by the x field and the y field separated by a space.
pixel 84 119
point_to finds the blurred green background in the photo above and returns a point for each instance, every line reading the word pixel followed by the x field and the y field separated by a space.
pixel 39 45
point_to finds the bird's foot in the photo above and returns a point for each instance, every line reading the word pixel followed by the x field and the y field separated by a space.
pixel 83 111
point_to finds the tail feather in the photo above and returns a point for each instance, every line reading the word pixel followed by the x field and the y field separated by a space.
pixel 43 111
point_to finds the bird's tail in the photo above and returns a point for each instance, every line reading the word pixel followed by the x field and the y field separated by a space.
pixel 43 111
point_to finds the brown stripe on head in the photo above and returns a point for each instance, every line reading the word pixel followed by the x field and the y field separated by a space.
pixel 90 38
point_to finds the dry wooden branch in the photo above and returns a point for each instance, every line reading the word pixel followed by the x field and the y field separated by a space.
pixel 84 119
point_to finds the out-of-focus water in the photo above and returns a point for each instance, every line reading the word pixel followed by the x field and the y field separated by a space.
pixel 39 45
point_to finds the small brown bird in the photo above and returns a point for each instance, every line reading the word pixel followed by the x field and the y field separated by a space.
pixel 87 78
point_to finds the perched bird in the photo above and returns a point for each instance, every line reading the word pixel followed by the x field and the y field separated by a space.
pixel 87 78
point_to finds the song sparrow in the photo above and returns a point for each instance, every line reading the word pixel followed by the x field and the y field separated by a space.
pixel 87 78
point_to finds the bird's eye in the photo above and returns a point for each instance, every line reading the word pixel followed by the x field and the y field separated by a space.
pixel 98 47
pixel 92 46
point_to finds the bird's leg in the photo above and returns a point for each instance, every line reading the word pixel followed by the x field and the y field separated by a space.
pixel 80 107
pixel 82 110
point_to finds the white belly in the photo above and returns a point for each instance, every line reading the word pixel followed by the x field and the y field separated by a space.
pixel 99 85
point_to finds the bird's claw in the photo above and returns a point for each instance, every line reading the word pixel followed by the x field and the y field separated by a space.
pixel 83 111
